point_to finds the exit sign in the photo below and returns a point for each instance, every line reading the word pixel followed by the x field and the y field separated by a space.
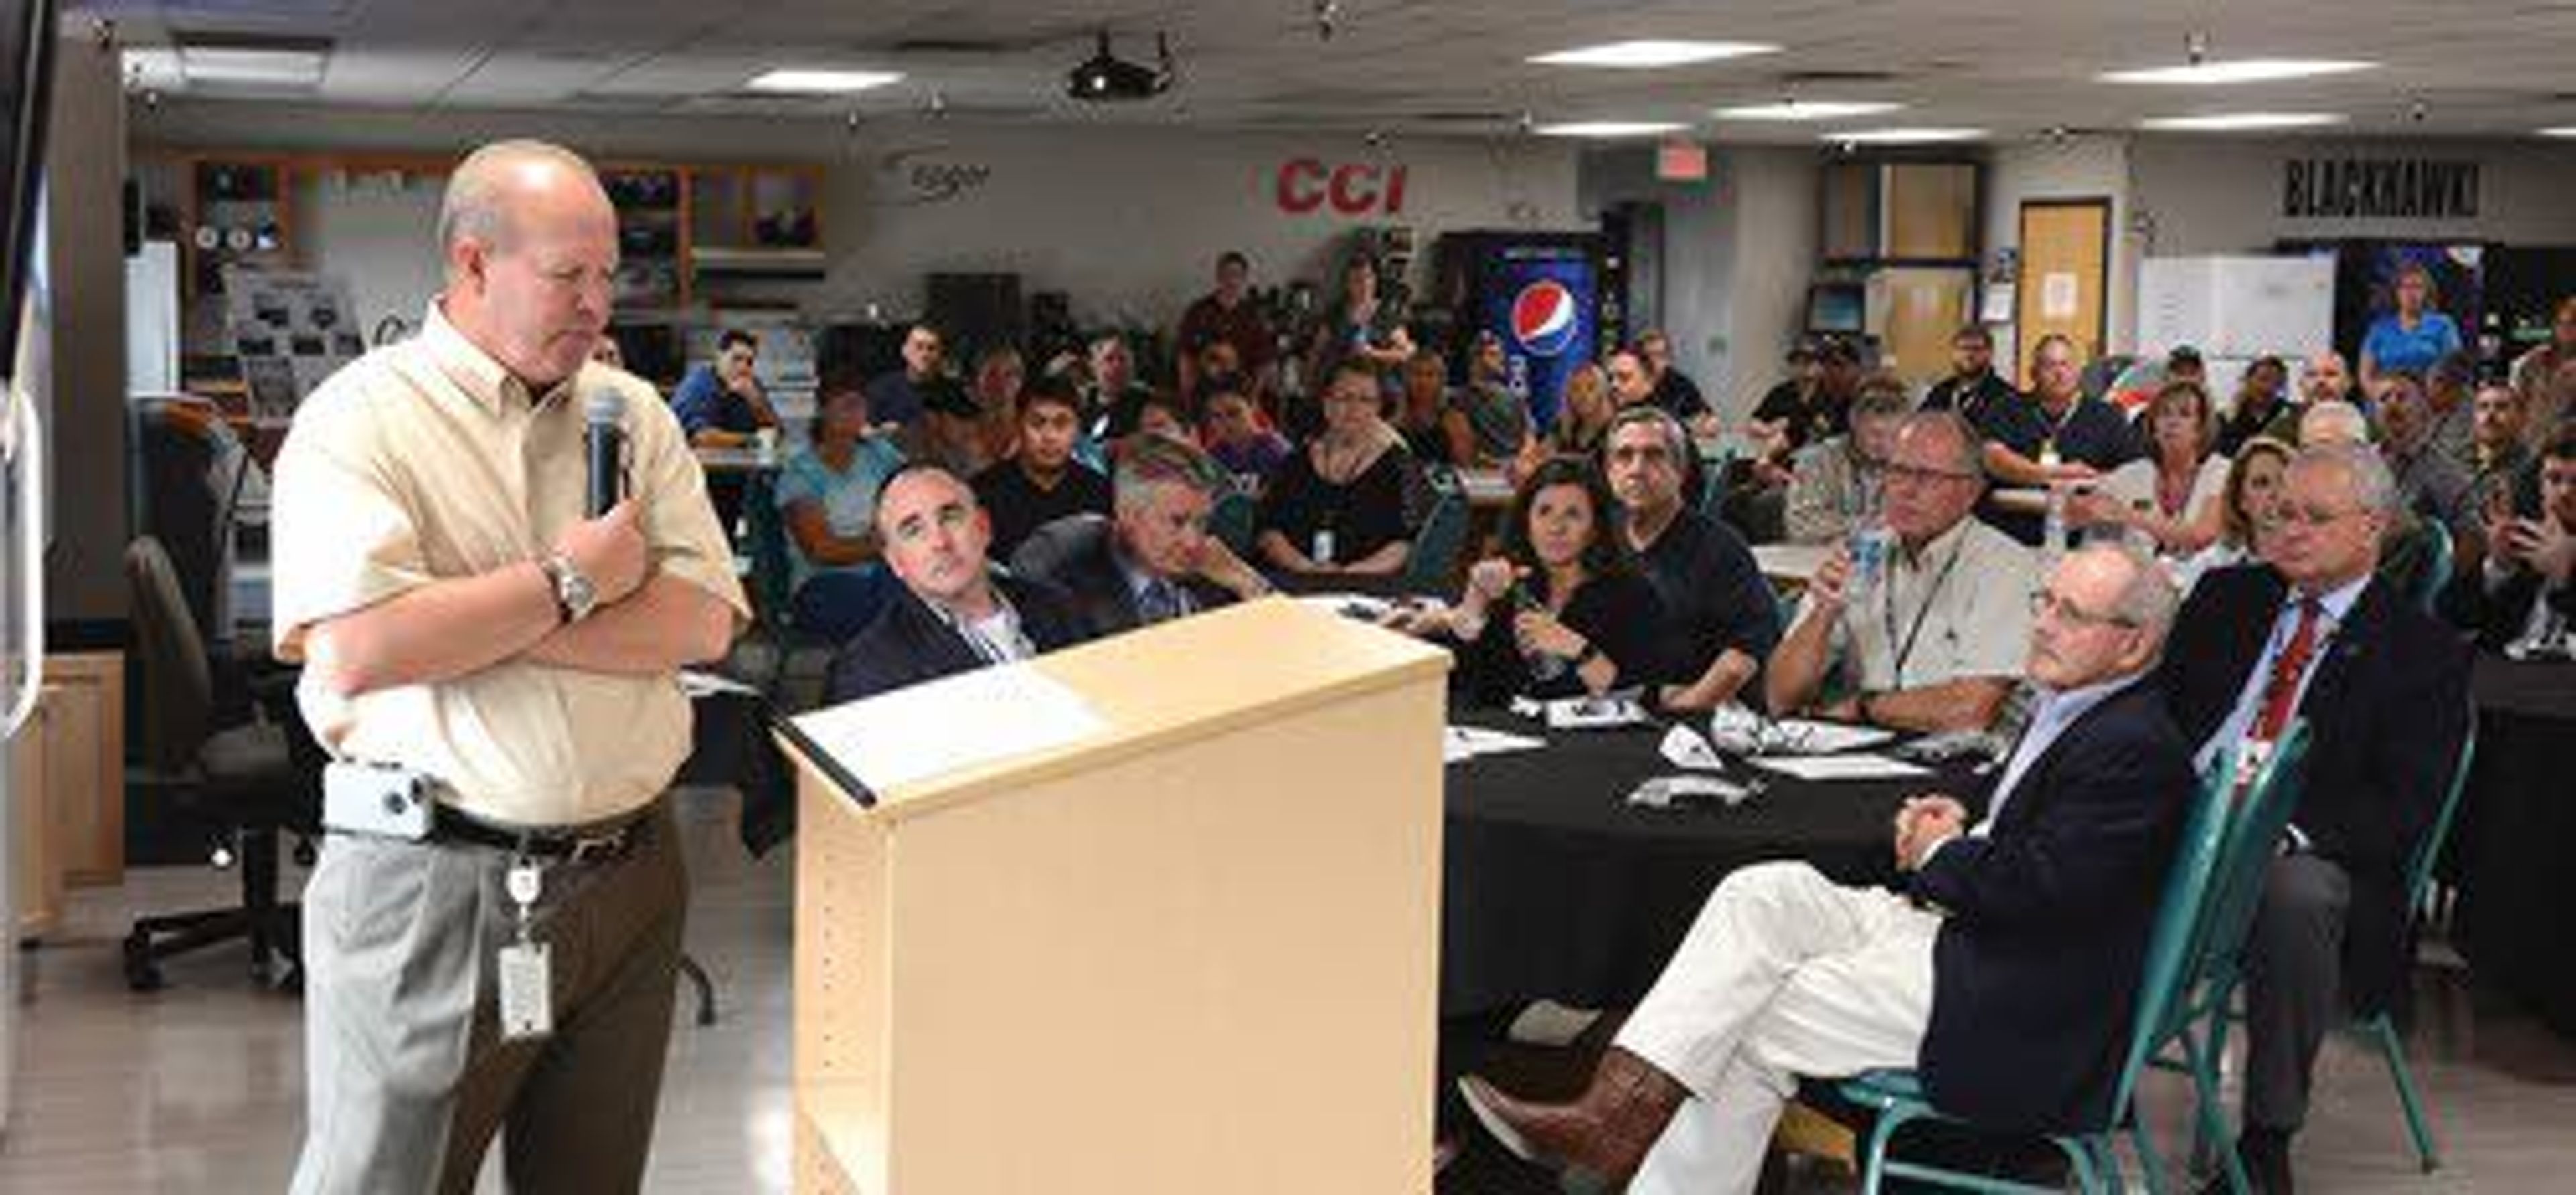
pixel 1681 162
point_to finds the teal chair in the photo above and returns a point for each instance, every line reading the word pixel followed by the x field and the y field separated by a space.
pixel 2214 855
pixel 1231 521
pixel 2380 1028
pixel 1432 564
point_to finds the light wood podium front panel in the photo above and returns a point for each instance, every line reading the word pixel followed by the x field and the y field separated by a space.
pixel 1196 952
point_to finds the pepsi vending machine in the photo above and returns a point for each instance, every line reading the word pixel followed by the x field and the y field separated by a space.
pixel 1539 291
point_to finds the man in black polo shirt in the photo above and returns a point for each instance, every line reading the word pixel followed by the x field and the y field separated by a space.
pixel 1720 618
pixel 1973 384
pixel 2054 434
pixel 895 396
pixel 1042 483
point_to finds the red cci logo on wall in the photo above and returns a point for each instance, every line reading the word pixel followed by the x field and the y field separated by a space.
pixel 1353 188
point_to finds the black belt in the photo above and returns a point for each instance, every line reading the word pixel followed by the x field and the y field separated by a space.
pixel 582 844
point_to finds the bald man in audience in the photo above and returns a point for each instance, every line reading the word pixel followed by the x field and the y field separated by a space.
pixel 1931 635
pixel 956 612
pixel 2003 967
pixel 2325 378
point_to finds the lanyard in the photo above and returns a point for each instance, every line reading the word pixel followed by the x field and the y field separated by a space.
pixel 1887 612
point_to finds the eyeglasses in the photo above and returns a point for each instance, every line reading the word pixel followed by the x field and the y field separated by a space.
pixel 2044 604
pixel 1897 474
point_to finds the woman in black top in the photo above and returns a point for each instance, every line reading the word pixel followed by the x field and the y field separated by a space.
pixel 1562 612
pixel 1339 505
pixel 1435 430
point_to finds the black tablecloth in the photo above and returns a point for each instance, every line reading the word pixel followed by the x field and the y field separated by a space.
pixel 2517 836
pixel 1553 886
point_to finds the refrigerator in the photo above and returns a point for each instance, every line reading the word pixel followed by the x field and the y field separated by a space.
pixel 1542 292
pixel 26 48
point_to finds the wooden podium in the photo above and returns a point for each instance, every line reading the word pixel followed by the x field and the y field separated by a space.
pixel 1197 951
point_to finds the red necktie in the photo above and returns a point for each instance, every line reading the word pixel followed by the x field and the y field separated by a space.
pixel 2281 693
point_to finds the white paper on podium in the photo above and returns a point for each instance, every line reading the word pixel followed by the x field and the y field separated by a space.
pixel 960 721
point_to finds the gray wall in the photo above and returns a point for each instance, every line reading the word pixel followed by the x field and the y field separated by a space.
pixel 85 178
pixel 2221 195
pixel 1739 249
pixel 1126 219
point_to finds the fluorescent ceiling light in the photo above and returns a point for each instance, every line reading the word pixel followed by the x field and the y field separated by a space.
pixel 260 66
pixel 2567 130
pixel 1609 128
pixel 1646 55
pixel 2236 122
pixel 819 82
pixel 1922 136
pixel 2242 70
pixel 1807 110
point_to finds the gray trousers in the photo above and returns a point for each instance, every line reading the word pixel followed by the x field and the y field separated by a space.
pixel 2293 985
pixel 407 1078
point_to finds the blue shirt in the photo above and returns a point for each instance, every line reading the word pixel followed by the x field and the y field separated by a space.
pixel 2390 347
pixel 701 401
pixel 848 497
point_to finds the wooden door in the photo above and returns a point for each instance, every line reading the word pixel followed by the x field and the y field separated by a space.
pixel 2065 275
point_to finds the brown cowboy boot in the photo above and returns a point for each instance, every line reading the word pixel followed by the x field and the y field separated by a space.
pixel 1606 1131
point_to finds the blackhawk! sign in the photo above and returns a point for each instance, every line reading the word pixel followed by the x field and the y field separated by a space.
pixel 2379 188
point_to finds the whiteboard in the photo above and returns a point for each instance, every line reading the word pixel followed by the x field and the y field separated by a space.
pixel 2236 306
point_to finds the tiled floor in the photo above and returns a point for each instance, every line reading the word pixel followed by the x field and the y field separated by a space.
pixel 196 1088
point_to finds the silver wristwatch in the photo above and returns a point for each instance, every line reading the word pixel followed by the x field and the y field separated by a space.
pixel 575 596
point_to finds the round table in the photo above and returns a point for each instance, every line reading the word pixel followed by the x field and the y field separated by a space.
pixel 1554 887
pixel 2516 823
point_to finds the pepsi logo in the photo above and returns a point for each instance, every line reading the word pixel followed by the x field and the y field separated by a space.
pixel 1543 318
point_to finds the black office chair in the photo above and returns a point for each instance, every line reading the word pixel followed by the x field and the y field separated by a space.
pixel 243 783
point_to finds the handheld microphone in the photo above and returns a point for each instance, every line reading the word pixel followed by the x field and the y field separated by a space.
pixel 605 440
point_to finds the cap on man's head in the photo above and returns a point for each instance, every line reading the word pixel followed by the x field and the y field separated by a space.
pixel 2182 354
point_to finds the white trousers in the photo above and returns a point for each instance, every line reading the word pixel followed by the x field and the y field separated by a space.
pixel 1784 974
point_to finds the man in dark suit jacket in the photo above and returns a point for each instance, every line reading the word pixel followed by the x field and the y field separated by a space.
pixel 1153 560
pixel 2005 971
pixel 2526 591
pixel 2384 691
pixel 955 613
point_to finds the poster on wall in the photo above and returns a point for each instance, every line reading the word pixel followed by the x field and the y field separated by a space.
pixel 2368 273
pixel 290 329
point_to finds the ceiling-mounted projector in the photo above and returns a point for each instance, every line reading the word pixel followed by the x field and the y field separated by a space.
pixel 1107 77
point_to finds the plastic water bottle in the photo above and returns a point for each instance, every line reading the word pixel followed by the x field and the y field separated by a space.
pixel 1869 545
pixel 2052 535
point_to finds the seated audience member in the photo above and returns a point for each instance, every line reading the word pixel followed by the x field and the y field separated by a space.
pixel 2250 506
pixel 1230 425
pixel 2383 689
pixel 2263 407
pixel 1973 384
pixel 2332 422
pixel 1834 482
pixel 1758 500
pixel 2502 452
pixel 1720 620
pixel 895 396
pixel 1361 329
pixel 1227 316
pixel 2003 967
pixel 2085 437
pixel 1671 389
pixel 1434 429
pixel 953 611
pixel 1562 612
pixel 1930 637
pixel 1498 418
pixel 1043 482
pixel 827 498
pixel 2175 495
pixel 1161 415
pixel 1344 503
pixel 2545 377
pixel 1582 419
pixel 2430 482
pixel 2450 395
pixel 1116 399
pixel 607 352
pixel 2523 594
pixel 721 404
pixel 1001 374
pixel 2406 548
pixel 2325 378
pixel 1215 362
pixel 1152 560
pixel 1631 385
pixel 2184 364
pixel 952 430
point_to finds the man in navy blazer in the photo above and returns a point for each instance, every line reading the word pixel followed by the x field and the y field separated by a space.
pixel 2383 688
pixel 1153 560
pixel 956 612
pixel 2005 971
